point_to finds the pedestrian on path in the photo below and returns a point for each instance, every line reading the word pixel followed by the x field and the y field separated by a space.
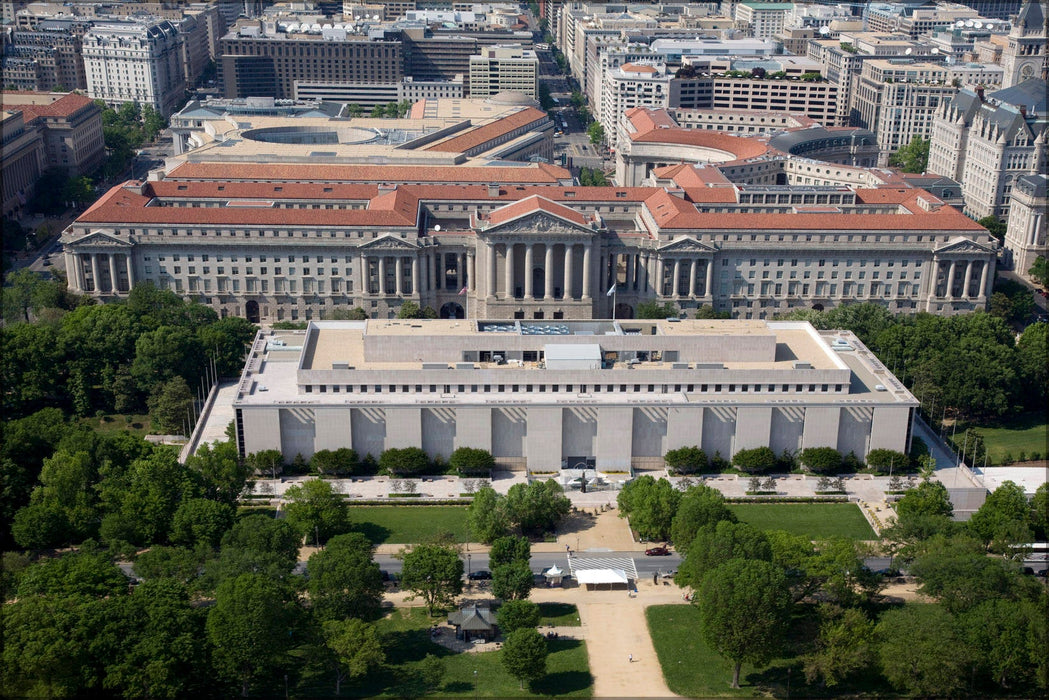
pixel 630 658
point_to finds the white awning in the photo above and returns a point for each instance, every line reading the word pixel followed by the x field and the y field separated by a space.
pixel 597 576
pixel 554 571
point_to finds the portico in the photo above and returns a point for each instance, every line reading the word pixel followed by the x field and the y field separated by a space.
pixel 104 266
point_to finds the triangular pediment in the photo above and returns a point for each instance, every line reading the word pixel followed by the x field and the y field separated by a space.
pixel 963 246
pixel 101 239
pixel 687 244
pixel 388 242
pixel 539 222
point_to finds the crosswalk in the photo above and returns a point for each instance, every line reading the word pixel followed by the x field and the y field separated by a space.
pixel 583 563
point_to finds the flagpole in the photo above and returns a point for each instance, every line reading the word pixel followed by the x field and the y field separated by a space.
pixel 614 301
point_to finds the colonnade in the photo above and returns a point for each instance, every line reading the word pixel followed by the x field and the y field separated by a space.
pixel 95 264
pixel 561 265
pixel 668 277
pixel 947 290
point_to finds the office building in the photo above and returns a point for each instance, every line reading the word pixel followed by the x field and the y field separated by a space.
pixel 611 395
pixel 762 20
pixel 504 69
pixel 70 127
pixel 1025 235
pixel 135 62
pixel 21 163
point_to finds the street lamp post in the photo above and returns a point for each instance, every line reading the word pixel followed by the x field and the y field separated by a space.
pixel 468 565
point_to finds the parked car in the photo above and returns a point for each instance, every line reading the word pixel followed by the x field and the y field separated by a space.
pixel 660 551
pixel 480 575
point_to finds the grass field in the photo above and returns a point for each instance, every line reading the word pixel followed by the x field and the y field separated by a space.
pixel 559 614
pixel 407 524
pixel 1026 433
pixel 814 520
pixel 139 425
pixel 405 638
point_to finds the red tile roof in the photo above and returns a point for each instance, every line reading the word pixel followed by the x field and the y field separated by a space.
pixel 489 132
pixel 637 68
pixel 63 106
pixel 305 172
pixel 532 204
pixel 735 145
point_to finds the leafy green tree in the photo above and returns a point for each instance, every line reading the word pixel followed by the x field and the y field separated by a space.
pixel 1039 272
pixel 222 472
pixel 354 648
pixel 1039 515
pixel 433 572
pixel 839 568
pixel 518 614
pixel 264 535
pixel 716 544
pixel 757 460
pixel 687 460
pixel 921 651
pixel 995 226
pixel 700 506
pixel 1003 519
pixel 268 462
pixel 512 581
pixel 73 574
pixel 912 158
pixel 67 481
pixel 177 563
pixel 315 509
pixel 524 655
pixel 509 550
pixel 472 461
pixel 843 647
pixel 404 461
pixel 200 521
pixel 745 607
pixel 882 461
pixel 486 516
pixel 998 631
pixel 958 573
pixel 31 365
pixel 165 353
pixel 342 461
pixel 1032 349
pixel 821 460
pixel 140 503
pixel 650 505
pixel 538 507
pixel 170 405
pixel 42 525
pixel 343 579
pixel 249 629
pixel 596 133
pixel 796 556
pixel 928 498
pixel 226 342
pixel 653 309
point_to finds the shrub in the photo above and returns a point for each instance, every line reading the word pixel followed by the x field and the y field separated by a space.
pixel 821 460
pixel 339 462
pixel 719 464
pixel 404 461
pixel 755 461
pixel 687 460
pixel 880 460
pixel 472 461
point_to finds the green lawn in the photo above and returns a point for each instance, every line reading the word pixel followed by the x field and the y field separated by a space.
pixel 559 614
pixel 1025 434
pixel 139 424
pixel 407 643
pixel 408 524
pixel 814 520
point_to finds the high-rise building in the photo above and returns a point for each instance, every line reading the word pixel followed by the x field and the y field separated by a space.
pixel 135 61
pixel 504 68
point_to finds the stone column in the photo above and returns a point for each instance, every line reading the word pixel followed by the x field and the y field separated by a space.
pixel 692 277
pixel 426 281
pixel 660 274
pixel 548 272
pixel 94 272
pixel 112 273
pixel 130 271
pixel 490 292
pixel 950 280
pixel 382 274
pixel 710 278
pixel 642 283
pixel 509 270
pixel 675 289
pixel 415 276
pixel 983 279
pixel 569 279
pixel 613 270
pixel 529 264
pixel 471 271
pixel 968 278
pixel 461 272
pixel 586 270
pixel 398 274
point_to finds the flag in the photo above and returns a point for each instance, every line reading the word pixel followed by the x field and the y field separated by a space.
pixel 611 290
pixel 462 291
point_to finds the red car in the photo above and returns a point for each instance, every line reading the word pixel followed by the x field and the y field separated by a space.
pixel 657 552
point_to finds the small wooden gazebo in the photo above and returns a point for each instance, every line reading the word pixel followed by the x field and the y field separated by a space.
pixel 473 622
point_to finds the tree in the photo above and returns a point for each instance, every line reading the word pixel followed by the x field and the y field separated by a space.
pixel 538 507
pixel 757 460
pixel 509 550
pixel 844 645
pixel 176 563
pixel 1003 519
pixel 1031 352
pixel 699 506
pixel 518 614
pixel 1040 511
pixel 170 405
pixel 1039 272
pixel 201 521
pixel 354 649
pixel 524 655
pixel 472 461
pixel 929 498
pixel 249 628
pixel 921 651
pixel 687 460
pixel 73 574
pixel 995 226
pixel 653 309
pixel 650 505
pixel 745 607
pixel 844 578
pixel 409 309
pixel 343 461
pixel 512 581
pixel 912 158
pixel 957 572
pixel 596 133
pixel 165 353
pixel 268 462
pixel 821 460
pixel 315 509
pixel 998 631
pixel 226 341
pixel 882 460
pixel 265 535
pixel 716 544
pixel 433 572
pixel 343 579
pixel 404 461
pixel 221 471
pixel 486 515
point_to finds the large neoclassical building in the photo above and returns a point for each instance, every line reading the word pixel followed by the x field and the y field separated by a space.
pixel 545 395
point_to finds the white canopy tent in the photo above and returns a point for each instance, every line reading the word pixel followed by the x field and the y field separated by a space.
pixel 598 577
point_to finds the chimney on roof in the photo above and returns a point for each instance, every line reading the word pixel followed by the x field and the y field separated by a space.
pixel 386 188
pixel 676 192
pixel 493 189
pixel 1023 111
pixel 979 92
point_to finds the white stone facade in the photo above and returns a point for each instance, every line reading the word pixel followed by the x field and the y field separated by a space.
pixel 133 62
pixel 1025 236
